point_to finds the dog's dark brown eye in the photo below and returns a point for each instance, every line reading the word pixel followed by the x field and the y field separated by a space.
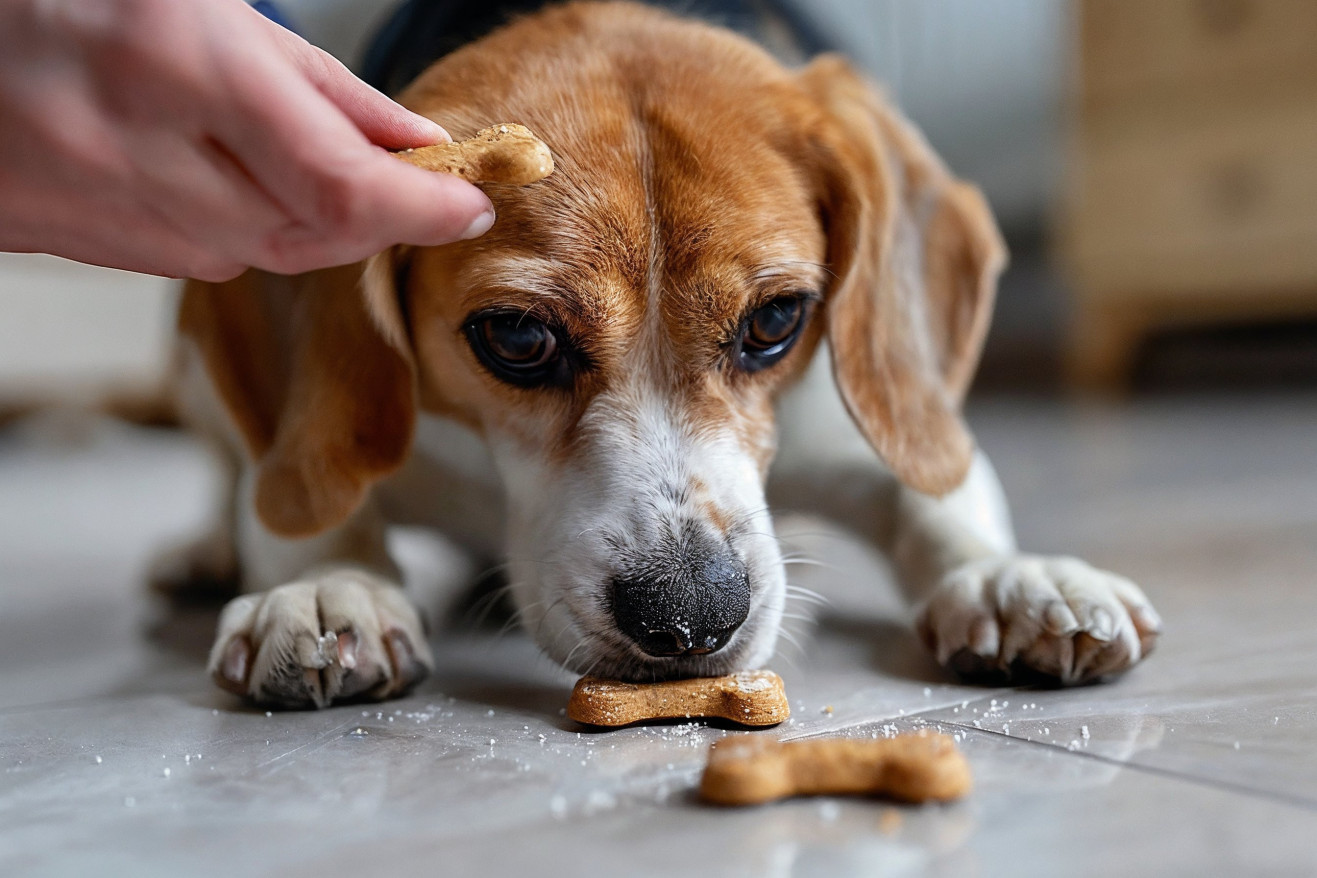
pixel 520 343
pixel 519 349
pixel 770 332
pixel 774 323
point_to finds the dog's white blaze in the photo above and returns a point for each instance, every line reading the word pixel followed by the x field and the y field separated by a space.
pixel 640 469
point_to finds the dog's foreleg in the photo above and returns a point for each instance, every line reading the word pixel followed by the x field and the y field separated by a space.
pixel 931 537
pixel 983 608
pixel 333 623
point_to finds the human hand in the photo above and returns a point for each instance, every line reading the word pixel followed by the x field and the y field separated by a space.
pixel 197 139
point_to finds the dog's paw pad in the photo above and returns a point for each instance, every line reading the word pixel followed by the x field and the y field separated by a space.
pixel 342 636
pixel 1027 617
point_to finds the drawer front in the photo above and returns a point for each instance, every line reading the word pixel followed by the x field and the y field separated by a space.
pixel 1178 200
pixel 1138 46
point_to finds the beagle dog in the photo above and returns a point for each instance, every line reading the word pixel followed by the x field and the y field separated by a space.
pixel 599 385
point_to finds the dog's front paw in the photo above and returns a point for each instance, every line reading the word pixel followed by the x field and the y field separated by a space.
pixel 1027 615
pixel 339 636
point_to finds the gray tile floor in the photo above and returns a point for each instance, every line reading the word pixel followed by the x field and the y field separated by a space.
pixel 118 758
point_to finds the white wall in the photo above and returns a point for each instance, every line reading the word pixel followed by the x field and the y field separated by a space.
pixel 77 327
pixel 984 79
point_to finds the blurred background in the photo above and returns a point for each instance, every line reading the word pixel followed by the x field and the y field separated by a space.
pixel 1154 166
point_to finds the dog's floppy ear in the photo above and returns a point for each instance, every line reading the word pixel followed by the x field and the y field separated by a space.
pixel 916 256
pixel 316 374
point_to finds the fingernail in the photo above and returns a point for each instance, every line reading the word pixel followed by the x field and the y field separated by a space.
pixel 1147 619
pixel 408 670
pixel 1101 625
pixel 400 648
pixel 236 657
pixel 479 226
pixel 1059 620
pixel 985 637
pixel 347 650
pixel 436 132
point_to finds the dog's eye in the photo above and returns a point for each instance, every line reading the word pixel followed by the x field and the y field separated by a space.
pixel 519 344
pixel 769 332
pixel 518 349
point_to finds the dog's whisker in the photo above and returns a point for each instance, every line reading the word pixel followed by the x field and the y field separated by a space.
pixel 589 669
pixel 805 596
pixel 522 559
pixel 565 630
pixel 815 562
pixel 539 626
pixel 808 562
pixel 789 648
pixel 811 607
pixel 481 609
pixel 761 534
pixel 567 662
pixel 517 616
pixel 789 638
pixel 836 535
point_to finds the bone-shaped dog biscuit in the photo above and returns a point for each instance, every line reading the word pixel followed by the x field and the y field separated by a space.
pixel 751 769
pixel 502 154
pixel 750 698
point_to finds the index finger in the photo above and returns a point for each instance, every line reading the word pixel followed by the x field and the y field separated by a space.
pixel 381 119
pixel 321 169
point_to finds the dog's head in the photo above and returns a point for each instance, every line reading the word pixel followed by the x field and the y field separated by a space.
pixel 620 335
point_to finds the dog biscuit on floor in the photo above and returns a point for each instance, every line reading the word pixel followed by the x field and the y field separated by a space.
pixel 502 154
pixel 749 698
pixel 752 769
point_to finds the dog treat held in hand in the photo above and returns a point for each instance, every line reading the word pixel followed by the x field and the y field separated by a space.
pixel 749 770
pixel 750 698
pixel 502 154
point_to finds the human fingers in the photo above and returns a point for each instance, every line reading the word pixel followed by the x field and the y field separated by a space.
pixel 382 120
pixel 434 220
pixel 331 181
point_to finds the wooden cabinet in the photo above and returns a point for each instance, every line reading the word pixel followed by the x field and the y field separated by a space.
pixel 1192 191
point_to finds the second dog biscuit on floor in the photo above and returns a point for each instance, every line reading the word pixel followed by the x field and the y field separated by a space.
pixel 749 698
pixel 752 769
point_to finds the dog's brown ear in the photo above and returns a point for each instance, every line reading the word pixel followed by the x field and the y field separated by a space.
pixel 916 254
pixel 317 376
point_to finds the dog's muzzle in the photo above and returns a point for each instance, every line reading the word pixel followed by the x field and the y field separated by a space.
pixel 688 605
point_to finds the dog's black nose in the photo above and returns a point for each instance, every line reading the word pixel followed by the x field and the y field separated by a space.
pixel 690 604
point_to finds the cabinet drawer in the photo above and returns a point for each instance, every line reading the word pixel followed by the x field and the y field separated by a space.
pixel 1197 201
pixel 1133 47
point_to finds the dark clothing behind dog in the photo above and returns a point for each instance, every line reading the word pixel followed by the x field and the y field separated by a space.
pixel 421 31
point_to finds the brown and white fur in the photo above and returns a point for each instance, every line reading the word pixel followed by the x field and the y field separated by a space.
pixel 697 180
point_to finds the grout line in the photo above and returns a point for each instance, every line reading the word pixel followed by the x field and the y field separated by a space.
pixel 1289 799
pixel 1229 786
pixel 826 728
